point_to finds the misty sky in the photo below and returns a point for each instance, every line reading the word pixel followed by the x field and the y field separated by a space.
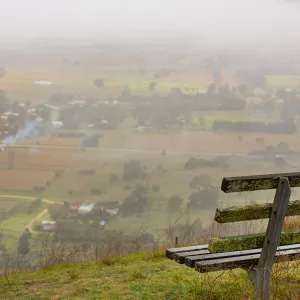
pixel 222 19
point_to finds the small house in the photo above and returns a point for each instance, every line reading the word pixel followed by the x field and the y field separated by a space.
pixel 112 212
pixel 48 225
pixel 86 208
pixel 74 205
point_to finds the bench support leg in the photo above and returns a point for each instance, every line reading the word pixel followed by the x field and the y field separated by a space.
pixel 252 273
pixel 272 239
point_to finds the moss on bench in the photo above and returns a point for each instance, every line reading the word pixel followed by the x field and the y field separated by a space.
pixel 252 241
pixel 252 212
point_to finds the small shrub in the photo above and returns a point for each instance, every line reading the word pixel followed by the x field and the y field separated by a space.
pixel 147 238
pixel 74 274
pixel 87 172
pixel 159 168
pixel 155 188
pixel 37 201
pixel 95 192
pixel 57 174
pixel 127 187
pixel 114 178
pixel 108 261
pixel 136 274
pixel 174 204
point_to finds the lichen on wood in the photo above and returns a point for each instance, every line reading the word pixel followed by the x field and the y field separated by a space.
pixel 257 182
pixel 252 212
pixel 252 241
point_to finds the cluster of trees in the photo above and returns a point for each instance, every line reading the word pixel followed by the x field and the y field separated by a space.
pixel 101 117
pixel 202 180
pixel 205 198
pixel 194 163
pixel 254 78
pixel 286 126
pixel 270 151
pixel 133 170
pixel 138 202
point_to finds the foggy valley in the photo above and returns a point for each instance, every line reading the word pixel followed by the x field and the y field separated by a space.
pixel 119 121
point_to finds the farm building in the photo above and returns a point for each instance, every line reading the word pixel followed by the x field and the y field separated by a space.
pixel 77 102
pixel 38 82
pixel 86 208
pixel 112 212
pixel 74 205
pixel 48 225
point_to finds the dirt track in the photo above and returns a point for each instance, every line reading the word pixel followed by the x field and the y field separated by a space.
pixel 30 224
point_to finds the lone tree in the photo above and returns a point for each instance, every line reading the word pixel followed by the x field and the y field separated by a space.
pixel 152 86
pixel 133 170
pixel 207 198
pixel 174 204
pixel 99 83
pixel 2 72
pixel 23 243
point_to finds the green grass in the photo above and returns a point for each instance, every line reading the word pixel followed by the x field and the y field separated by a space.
pixel 20 220
pixel 7 204
pixel 140 276
pixel 228 117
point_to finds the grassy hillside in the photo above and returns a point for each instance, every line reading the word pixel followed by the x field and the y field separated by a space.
pixel 141 276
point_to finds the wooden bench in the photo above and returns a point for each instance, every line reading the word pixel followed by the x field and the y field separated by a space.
pixel 253 253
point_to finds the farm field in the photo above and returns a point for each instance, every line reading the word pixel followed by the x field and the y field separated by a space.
pixel 22 180
pixel 283 81
pixel 110 159
pixel 19 81
pixel 179 142
pixel 203 141
pixel 36 158
pixel 8 204
pixel 67 171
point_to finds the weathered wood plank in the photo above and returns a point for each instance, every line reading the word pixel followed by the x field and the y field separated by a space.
pixel 242 262
pixel 190 261
pixel 172 251
pixel 257 182
pixel 252 212
pixel 179 257
pixel 251 241
pixel 272 239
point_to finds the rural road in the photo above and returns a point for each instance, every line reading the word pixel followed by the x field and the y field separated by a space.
pixel 30 224
pixel 133 150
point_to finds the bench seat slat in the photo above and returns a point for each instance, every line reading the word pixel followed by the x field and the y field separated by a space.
pixel 257 182
pixel 190 261
pixel 179 257
pixel 172 251
pixel 246 261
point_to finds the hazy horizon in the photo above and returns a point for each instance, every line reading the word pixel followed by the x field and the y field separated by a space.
pixel 219 21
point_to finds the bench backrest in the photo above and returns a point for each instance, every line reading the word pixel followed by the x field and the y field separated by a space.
pixel 257 211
